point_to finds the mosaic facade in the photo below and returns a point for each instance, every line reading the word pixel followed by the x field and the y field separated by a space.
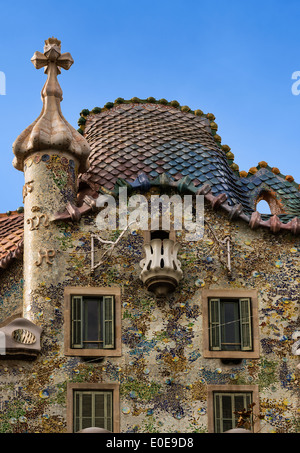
pixel 162 374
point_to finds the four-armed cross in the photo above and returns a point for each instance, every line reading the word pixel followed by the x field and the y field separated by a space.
pixel 52 59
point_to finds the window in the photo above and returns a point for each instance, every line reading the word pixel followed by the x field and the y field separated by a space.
pixel 230 324
pixel 224 400
pixel 93 405
pixel 93 408
pixel 92 325
pixel 272 205
pixel 230 321
pixel 225 404
pixel 92 321
pixel 159 234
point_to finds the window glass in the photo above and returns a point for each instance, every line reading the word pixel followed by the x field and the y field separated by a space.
pixel 230 326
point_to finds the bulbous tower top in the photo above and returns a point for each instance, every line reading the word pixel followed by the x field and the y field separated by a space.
pixel 51 130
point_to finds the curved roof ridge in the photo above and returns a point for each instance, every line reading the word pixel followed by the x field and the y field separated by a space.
pixel 186 109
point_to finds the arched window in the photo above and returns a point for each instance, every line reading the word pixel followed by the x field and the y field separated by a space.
pixel 263 207
pixel 267 203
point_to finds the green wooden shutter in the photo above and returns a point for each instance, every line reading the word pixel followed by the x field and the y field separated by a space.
pixel 103 410
pixel 245 324
pixel 214 324
pixel 109 411
pixel 108 322
pixel 77 321
pixel 83 405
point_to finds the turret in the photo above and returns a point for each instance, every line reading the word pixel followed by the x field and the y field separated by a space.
pixel 51 153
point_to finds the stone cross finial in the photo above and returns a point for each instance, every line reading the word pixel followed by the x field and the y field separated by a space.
pixel 51 131
pixel 52 59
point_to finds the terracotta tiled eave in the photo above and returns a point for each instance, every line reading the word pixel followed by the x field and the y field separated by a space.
pixel 11 237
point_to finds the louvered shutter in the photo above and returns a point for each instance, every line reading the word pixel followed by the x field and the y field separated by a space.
pixel 245 324
pixel 108 321
pixel 103 410
pixel 214 325
pixel 109 411
pixel 77 321
pixel 83 403
pixel 86 409
pixel 100 410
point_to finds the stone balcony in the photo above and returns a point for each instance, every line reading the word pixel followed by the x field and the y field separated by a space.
pixel 161 270
pixel 20 338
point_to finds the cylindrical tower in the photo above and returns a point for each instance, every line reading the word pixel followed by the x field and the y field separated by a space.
pixel 50 153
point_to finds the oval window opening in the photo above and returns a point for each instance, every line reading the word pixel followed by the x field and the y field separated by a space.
pixel 263 207
pixel 23 336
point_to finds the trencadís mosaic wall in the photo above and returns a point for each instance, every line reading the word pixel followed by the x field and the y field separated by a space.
pixel 162 374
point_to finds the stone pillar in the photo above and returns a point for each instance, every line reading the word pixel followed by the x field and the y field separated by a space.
pixel 50 153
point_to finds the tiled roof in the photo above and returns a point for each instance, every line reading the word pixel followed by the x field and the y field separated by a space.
pixel 151 138
pixel 11 237
pixel 133 137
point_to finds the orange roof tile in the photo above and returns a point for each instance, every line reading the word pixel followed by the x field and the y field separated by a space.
pixel 11 237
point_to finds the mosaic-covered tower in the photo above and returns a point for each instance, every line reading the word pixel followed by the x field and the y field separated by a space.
pixel 51 154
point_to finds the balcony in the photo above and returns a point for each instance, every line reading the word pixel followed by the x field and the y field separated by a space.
pixel 20 338
pixel 161 270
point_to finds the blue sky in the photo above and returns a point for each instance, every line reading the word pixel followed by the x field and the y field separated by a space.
pixel 231 58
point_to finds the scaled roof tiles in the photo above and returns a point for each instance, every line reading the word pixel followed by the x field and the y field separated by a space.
pixel 154 139
pixel 11 237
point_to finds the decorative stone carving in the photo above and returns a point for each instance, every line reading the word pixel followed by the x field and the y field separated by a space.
pixel 161 270
pixel 27 188
pixel 41 134
pixel 35 221
pixel 45 254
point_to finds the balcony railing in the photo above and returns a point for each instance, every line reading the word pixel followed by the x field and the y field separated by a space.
pixel 161 270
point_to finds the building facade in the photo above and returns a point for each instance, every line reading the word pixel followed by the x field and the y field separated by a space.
pixel 111 321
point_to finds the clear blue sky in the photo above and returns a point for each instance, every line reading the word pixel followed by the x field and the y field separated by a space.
pixel 229 57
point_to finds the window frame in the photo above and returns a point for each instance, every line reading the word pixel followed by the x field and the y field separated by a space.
pixel 93 387
pixel 229 294
pixel 92 292
pixel 231 390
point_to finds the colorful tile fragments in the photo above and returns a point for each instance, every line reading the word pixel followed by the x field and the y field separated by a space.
pixel 164 377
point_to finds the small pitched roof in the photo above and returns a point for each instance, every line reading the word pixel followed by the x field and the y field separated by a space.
pixel 11 237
